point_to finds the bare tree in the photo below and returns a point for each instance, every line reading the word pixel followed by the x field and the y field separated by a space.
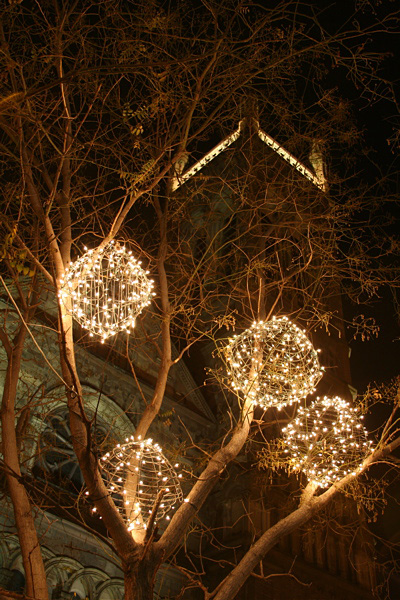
pixel 105 106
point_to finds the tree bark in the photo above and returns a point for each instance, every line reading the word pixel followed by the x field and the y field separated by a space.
pixel 35 575
pixel 153 408
pixel 239 575
pixel 125 546
pixel 309 505
pixel 205 483
pixel 140 575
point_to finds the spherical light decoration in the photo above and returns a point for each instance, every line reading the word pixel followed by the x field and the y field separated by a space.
pixel 136 474
pixel 326 441
pixel 273 363
pixel 107 289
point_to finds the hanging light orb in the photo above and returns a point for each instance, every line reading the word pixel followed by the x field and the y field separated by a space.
pixel 137 474
pixel 273 363
pixel 106 290
pixel 326 441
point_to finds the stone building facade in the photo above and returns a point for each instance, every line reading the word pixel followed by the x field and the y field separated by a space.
pixel 78 563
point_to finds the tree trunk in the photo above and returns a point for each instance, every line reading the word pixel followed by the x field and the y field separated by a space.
pixel 35 576
pixel 139 578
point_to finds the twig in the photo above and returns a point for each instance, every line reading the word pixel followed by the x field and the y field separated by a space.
pixel 30 333
pixel 150 526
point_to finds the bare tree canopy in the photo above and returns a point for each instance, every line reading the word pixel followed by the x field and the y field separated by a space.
pixel 218 142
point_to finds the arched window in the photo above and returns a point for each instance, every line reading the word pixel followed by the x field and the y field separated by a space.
pixel 55 447
pixel 55 456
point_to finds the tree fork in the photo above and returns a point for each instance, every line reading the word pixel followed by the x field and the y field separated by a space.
pixel 140 575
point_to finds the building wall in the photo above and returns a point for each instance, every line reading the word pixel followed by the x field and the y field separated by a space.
pixel 79 564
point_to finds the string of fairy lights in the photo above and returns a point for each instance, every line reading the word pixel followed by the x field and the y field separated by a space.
pixel 105 290
pixel 136 474
pixel 272 363
pixel 326 440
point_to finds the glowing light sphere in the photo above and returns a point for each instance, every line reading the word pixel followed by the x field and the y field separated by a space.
pixel 326 440
pixel 135 473
pixel 107 290
pixel 273 363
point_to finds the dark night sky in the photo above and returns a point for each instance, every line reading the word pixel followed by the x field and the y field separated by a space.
pixel 377 360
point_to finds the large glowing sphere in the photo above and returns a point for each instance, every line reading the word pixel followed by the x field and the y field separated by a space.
pixel 137 475
pixel 105 290
pixel 326 441
pixel 273 363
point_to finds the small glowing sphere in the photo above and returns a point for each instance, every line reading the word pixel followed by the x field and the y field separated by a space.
pixel 105 292
pixel 326 441
pixel 273 363
pixel 135 473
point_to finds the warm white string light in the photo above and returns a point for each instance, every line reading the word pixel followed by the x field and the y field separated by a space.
pixel 273 362
pixel 316 178
pixel 105 290
pixel 136 474
pixel 326 441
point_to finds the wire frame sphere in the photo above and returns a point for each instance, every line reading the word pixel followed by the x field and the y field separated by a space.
pixel 137 474
pixel 273 363
pixel 107 290
pixel 326 440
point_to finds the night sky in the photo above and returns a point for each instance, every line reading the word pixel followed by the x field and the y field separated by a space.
pixel 376 359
